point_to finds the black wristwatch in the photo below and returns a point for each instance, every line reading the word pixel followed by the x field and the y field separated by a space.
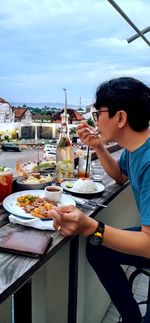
pixel 97 237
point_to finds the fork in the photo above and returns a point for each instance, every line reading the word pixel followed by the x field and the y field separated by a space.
pixel 87 203
pixel 94 203
pixel 97 132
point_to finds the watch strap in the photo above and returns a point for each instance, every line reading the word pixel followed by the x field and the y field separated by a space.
pixel 97 237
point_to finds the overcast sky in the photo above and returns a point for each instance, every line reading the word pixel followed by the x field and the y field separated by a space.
pixel 47 45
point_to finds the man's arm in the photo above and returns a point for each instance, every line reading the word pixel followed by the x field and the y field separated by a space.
pixel 110 164
pixel 130 242
pixel 73 221
pixel 90 138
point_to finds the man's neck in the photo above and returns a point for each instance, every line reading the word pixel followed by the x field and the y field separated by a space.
pixel 132 140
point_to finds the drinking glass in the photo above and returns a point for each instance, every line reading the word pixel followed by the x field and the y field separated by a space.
pixel 6 179
pixel 97 172
pixel 83 166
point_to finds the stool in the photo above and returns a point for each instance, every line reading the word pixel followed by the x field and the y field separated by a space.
pixel 135 273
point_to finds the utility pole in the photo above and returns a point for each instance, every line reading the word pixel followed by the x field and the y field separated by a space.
pixel 65 107
pixel 80 103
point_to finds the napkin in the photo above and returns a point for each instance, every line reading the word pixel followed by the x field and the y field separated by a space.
pixel 34 223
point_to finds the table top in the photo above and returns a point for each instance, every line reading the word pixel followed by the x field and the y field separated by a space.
pixel 16 269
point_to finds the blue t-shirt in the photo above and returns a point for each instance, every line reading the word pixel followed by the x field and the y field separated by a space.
pixel 136 165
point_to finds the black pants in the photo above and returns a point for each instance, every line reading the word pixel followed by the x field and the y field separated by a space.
pixel 107 265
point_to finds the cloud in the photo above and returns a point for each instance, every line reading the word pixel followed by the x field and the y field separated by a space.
pixel 107 42
pixel 50 44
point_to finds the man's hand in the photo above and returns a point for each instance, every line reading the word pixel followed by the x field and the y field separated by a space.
pixel 88 135
pixel 71 221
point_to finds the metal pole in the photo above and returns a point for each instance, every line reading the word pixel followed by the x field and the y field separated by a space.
pixel 80 103
pixel 65 108
pixel 143 31
pixel 112 2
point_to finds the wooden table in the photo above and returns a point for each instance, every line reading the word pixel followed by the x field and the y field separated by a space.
pixel 17 271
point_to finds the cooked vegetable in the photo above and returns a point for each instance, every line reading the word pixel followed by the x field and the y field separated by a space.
pixel 35 205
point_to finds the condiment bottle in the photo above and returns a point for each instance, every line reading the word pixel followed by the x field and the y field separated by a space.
pixel 64 152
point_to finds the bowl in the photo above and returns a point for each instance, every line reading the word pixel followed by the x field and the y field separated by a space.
pixel 53 193
pixel 22 186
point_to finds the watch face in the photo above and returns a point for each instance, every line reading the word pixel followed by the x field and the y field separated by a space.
pixel 95 241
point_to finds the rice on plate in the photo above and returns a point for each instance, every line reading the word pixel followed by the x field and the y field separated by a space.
pixel 85 186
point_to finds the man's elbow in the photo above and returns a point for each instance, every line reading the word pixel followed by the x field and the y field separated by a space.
pixel 122 179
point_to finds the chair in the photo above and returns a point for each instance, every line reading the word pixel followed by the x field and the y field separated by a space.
pixel 135 273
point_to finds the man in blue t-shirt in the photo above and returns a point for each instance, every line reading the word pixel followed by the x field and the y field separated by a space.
pixel 122 113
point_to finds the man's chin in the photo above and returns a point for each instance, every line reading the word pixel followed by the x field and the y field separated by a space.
pixel 105 140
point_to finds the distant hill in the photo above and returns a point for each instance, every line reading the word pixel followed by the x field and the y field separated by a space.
pixel 42 105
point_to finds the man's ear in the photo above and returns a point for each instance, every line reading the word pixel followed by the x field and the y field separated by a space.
pixel 122 118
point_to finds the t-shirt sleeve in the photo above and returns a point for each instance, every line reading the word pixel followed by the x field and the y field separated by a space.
pixel 123 162
pixel 145 195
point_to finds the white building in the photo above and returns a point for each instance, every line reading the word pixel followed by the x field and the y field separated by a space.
pixel 19 121
pixel 6 112
pixel 12 114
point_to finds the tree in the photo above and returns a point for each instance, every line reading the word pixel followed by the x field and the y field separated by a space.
pixel 91 122
pixel 73 131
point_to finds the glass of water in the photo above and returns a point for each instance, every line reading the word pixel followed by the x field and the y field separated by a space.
pixel 97 172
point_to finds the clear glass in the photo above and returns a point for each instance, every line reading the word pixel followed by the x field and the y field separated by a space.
pixel 83 166
pixel 97 171
pixel 6 180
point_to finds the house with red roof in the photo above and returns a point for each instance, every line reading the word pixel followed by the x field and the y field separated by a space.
pixel 11 114
pixel 22 114
pixel 30 125
pixel 73 116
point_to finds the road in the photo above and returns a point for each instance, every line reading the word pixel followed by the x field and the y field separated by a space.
pixel 9 158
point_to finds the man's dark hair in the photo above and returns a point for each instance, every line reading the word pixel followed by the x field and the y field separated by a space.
pixel 128 94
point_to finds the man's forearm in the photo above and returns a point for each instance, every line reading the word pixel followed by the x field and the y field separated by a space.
pixel 130 242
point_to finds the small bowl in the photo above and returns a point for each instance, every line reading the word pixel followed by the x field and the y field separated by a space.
pixel 27 186
pixel 53 193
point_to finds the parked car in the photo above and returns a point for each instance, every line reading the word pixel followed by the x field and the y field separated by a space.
pixel 49 148
pixel 53 141
pixel 49 155
pixel 10 147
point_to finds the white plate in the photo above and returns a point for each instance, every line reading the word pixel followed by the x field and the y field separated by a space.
pixel 10 202
pixel 72 190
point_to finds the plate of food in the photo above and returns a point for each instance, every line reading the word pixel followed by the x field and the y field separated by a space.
pixel 25 167
pixel 80 186
pixel 50 165
pixel 33 204
pixel 34 181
